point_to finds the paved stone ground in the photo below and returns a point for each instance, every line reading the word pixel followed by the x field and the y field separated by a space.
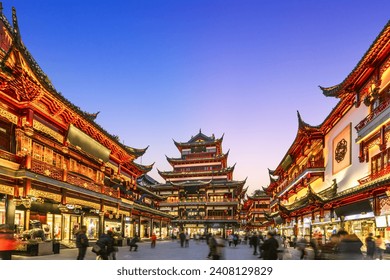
pixel 170 250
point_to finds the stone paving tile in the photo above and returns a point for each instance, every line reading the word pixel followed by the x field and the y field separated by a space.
pixel 170 250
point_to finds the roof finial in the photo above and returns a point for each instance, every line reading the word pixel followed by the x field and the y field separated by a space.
pixel 15 24
pixel 200 130
pixel 1 7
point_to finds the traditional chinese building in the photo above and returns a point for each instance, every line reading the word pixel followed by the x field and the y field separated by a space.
pixel 58 167
pixel 336 175
pixel 257 210
pixel 200 191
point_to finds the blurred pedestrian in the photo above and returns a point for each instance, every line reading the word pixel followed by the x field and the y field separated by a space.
pixel 82 242
pixel 255 242
pixel 230 239
pixel 106 245
pixel 209 236
pixel 370 245
pixel 329 249
pixel 187 240
pixel 182 237
pixel 270 247
pixel 154 239
pixel 380 247
pixel 301 246
pixel 133 243
pixel 235 239
pixel 216 247
pixel 349 246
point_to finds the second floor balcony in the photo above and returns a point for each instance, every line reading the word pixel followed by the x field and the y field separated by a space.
pixel 304 171
pixel 380 167
pixel 227 201
pixel 373 120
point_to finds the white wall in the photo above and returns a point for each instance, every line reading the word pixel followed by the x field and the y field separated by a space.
pixel 347 177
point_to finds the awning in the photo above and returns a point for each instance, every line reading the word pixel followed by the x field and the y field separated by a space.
pixel 360 207
pixel 78 138
pixel 43 208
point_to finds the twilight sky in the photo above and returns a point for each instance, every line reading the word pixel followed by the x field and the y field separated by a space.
pixel 161 70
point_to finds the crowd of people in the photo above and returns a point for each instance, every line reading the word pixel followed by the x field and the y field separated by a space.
pixel 271 246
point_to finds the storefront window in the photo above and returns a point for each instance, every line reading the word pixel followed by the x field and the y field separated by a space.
pixel 57 231
pixel 71 225
pixel 114 226
pixel 19 221
pixel 92 224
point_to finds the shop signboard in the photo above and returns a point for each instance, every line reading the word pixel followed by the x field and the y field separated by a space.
pixel 380 221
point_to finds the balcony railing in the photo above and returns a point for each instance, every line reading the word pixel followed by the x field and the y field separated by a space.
pixel 48 170
pixel 53 172
pixel 208 218
pixel 10 157
pixel 371 177
pixel 200 201
pixel 82 182
pixel 199 155
pixel 302 169
pixel 377 111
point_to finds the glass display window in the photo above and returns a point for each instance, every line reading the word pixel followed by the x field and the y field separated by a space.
pixel 114 226
pixel 19 221
pixel 57 228
pixel 92 224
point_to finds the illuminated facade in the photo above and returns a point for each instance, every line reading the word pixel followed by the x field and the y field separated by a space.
pixel 200 191
pixel 336 175
pixel 256 208
pixel 58 167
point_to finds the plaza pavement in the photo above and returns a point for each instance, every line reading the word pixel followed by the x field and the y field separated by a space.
pixel 169 250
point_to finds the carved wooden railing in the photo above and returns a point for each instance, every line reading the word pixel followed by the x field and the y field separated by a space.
pixel 320 163
pixel 208 218
pixel 82 182
pixel 48 170
pixel 10 156
pixel 376 175
pixel 383 106
pixel 110 191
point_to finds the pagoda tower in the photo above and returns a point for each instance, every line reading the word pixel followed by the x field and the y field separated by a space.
pixel 200 191
pixel 201 159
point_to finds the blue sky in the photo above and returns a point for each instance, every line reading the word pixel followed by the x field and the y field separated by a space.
pixel 161 70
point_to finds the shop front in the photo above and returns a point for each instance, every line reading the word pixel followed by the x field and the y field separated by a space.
pixel 92 223
pixel 128 227
pixel 357 218
pixel 382 222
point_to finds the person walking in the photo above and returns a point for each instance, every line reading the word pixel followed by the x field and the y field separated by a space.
pixel 182 237
pixel 270 247
pixel 106 245
pixel 255 242
pixel 216 247
pixel 380 247
pixel 230 239
pixel 133 243
pixel 349 246
pixel 370 245
pixel 209 236
pixel 154 239
pixel 187 239
pixel 235 239
pixel 82 242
